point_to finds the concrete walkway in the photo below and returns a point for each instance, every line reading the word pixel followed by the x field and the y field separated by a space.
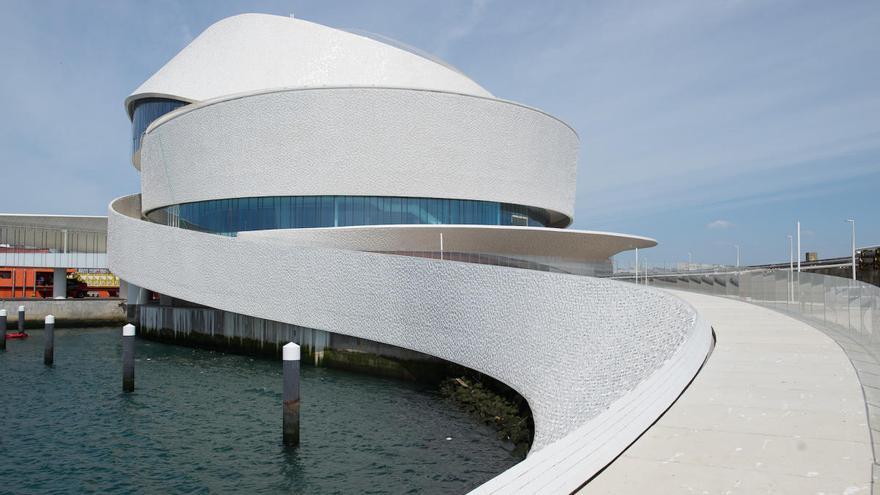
pixel 776 409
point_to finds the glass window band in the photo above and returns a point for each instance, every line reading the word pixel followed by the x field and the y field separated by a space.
pixel 229 216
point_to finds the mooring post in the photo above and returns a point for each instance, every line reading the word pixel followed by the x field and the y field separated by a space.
pixel 290 357
pixel 3 329
pixel 21 319
pixel 49 350
pixel 128 358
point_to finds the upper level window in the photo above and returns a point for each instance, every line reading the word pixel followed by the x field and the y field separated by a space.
pixel 5 274
pixel 145 112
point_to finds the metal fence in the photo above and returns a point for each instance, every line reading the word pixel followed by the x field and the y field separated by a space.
pixel 835 302
pixel 34 246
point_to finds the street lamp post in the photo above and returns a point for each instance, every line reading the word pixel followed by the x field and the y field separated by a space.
pixel 689 261
pixel 853 222
pixel 790 269
pixel 799 246
pixel 637 265
pixel 737 254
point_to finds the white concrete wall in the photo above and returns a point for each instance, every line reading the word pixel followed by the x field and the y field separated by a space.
pixel 594 358
pixel 54 260
pixel 65 311
pixel 549 243
pixel 361 142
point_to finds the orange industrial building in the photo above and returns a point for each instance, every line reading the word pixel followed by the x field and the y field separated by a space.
pixel 20 282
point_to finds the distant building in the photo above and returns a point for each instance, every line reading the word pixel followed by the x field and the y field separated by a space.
pixel 54 256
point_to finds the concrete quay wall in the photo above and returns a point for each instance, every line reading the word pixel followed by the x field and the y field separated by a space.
pixel 67 312
pixel 220 330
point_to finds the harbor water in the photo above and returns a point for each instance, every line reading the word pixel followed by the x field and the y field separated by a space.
pixel 207 422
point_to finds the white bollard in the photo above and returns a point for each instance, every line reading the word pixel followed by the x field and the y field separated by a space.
pixel 3 329
pixel 128 332
pixel 49 349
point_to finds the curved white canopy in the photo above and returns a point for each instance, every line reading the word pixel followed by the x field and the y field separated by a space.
pixel 251 52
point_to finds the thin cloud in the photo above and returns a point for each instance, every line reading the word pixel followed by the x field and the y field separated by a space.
pixel 719 225
pixel 464 28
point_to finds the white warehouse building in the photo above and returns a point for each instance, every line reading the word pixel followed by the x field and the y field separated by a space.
pixel 305 183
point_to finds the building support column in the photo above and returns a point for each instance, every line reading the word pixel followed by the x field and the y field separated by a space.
pixel 134 294
pixel 59 283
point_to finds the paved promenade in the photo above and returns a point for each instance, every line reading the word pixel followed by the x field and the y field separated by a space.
pixel 776 409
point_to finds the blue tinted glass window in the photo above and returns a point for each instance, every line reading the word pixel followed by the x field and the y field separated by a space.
pixel 396 210
pixel 229 216
pixel 411 215
pixel 435 211
pixel 326 213
pixel 284 206
pixel 309 212
pixel 145 112
pixel 299 217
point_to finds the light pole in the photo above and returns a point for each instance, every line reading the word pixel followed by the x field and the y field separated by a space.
pixel 853 222
pixel 689 261
pixel 790 269
pixel 799 246
pixel 737 254
pixel 637 265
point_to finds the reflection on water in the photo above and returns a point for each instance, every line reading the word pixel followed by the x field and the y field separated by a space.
pixel 202 422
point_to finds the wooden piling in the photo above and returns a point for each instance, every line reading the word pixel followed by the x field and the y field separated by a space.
pixel 290 422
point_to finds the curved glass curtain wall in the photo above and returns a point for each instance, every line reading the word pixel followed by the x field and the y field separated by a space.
pixel 229 216
pixel 145 112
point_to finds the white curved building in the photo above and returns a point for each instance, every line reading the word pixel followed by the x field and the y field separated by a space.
pixel 313 182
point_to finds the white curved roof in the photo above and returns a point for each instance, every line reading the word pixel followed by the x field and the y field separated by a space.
pixel 251 52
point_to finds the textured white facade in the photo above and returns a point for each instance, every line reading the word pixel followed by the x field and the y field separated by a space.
pixel 597 361
pixel 580 348
pixel 362 142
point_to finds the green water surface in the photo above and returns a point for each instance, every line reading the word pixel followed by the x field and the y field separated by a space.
pixel 207 422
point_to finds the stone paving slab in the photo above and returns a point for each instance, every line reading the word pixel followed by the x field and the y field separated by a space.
pixel 778 408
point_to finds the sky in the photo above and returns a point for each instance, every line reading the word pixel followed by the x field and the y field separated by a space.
pixel 703 124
